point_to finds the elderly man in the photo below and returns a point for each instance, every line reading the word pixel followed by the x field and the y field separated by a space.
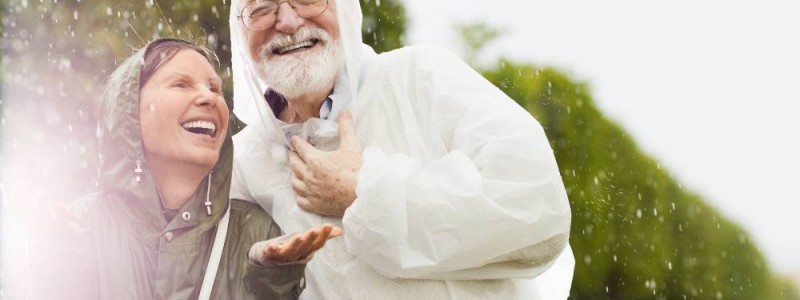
pixel 445 188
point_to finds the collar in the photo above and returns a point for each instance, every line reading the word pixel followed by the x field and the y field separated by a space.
pixel 278 103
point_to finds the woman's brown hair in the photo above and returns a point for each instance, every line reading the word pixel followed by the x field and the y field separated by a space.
pixel 161 51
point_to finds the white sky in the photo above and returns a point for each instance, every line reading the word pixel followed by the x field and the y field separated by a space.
pixel 709 88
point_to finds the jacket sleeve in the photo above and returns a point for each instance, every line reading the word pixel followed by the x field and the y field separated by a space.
pixel 490 205
pixel 251 224
pixel 63 255
pixel 275 282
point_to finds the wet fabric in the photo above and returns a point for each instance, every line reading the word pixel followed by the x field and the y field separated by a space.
pixel 128 249
pixel 459 194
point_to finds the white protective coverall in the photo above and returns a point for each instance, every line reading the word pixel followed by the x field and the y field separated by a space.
pixel 459 195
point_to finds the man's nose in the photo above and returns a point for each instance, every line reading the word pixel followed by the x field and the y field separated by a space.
pixel 287 21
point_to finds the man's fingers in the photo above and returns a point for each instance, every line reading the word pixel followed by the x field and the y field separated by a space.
pixel 305 204
pixel 299 187
pixel 303 148
pixel 298 165
pixel 347 132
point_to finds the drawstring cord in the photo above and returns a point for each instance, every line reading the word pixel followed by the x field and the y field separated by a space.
pixel 138 171
pixel 208 194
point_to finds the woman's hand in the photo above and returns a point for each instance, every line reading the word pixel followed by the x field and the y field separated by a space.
pixel 294 248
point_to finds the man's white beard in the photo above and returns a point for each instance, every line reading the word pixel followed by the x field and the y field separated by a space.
pixel 295 75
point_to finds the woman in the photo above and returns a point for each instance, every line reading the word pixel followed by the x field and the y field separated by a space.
pixel 150 231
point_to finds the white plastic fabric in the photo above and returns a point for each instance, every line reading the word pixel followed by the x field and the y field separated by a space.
pixel 459 195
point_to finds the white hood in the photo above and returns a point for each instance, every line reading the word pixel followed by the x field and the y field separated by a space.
pixel 249 103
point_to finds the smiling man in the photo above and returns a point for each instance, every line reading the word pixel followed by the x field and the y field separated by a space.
pixel 444 186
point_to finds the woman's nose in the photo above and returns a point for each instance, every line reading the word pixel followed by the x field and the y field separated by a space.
pixel 207 97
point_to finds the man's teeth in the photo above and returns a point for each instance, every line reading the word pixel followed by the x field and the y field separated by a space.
pixel 303 44
pixel 200 127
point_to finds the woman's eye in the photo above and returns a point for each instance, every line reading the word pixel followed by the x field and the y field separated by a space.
pixel 180 84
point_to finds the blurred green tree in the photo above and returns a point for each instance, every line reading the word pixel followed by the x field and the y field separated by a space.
pixel 636 234
pixel 384 24
pixel 475 36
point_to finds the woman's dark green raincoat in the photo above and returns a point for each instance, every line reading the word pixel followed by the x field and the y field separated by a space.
pixel 129 250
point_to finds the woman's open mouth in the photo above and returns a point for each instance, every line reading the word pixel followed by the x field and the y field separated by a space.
pixel 200 127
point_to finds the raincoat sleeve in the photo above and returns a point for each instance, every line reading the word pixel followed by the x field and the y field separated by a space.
pixel 251 225
pixel 64 257
pixel 489 204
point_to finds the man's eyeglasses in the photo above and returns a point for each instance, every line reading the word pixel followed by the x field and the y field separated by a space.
pixel 261 14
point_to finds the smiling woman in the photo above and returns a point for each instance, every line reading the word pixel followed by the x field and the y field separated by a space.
pixel 184 119
pixel 157 225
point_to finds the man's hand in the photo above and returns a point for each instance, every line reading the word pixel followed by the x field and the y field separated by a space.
pixel 325 182
pixel 299 246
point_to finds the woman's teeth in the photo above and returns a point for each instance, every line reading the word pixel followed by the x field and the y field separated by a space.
pixel 200 127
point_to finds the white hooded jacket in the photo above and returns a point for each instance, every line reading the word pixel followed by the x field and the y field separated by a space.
pixel 459 195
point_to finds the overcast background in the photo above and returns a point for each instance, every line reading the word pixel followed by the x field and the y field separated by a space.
pixel 710 88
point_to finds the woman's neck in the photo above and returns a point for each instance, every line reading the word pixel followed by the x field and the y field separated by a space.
pixel 176 183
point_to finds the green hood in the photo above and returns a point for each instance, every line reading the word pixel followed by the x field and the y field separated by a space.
pixel 121 149
pixel 123 247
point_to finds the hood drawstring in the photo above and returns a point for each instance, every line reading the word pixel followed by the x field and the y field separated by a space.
pixel 208 194
pixel 138 171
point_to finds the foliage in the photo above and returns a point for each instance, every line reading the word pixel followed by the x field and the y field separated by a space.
pixel 475 37
pixel 384 24
pixel 636 233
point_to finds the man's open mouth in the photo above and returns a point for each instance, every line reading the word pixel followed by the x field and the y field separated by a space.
pixel 200 127
pixel 295 47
